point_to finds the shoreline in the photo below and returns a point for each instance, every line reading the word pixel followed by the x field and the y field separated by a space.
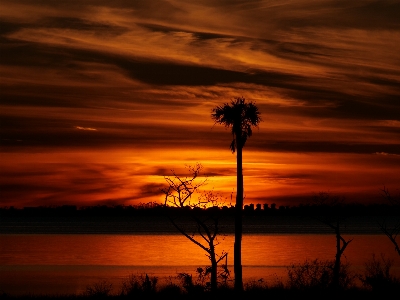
pixel 161 225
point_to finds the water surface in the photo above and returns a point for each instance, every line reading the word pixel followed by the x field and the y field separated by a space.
pixel 67 263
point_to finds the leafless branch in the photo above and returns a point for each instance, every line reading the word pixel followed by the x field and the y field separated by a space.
pixel 391 231
pixel 179 194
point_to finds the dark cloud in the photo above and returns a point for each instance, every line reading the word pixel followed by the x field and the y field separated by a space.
pixel 325 146
pixel 161 172
pixel 378 108
pixel 42 131
pixel 198 35
pixel 383 81
pixel 8 27
pixel 283 176
pixel 303 51
pixel 151 189
pixel 369 14
pixel 65 23
pixel 335 14
pixel 164 73
pixel 62 183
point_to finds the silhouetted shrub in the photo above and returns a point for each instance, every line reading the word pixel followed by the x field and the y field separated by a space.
pixel 255 286
pixel 170 290
pixel 99 289
pixel 188 284
pixel 137 285
pixel 377 275
pixel 318 274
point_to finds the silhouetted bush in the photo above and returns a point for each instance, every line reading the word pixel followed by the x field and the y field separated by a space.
pixel 190 286
pixel 255 286
pixel 99 289
pixel 171 290
pixel 138 285
pixel 377 275
pixel 318 274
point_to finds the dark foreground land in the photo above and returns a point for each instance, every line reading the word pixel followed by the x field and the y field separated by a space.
pixel 272 293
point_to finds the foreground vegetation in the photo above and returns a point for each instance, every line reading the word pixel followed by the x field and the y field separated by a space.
pixel 311 279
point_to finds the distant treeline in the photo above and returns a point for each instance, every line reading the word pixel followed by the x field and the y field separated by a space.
pixel 155 209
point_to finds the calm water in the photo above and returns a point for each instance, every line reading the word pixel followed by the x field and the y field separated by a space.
pixel 62 263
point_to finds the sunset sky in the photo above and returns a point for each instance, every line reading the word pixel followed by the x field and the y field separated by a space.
pixel 101 99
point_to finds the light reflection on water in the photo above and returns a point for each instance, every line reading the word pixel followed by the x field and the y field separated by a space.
pixel 67 263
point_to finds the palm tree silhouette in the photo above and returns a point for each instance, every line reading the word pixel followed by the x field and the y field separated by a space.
pixel 240 117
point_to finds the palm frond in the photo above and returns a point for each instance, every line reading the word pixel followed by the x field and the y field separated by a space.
pixel 240 117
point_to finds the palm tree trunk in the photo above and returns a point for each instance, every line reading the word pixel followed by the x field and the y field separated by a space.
pixel 214 272
pixel 237 260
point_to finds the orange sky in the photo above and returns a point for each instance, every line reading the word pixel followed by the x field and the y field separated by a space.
pixel 100 99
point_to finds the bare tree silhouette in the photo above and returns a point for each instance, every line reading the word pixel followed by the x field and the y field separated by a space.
pixel 240 117
pixel 391 231
pixel 204 214
pixel 333 219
